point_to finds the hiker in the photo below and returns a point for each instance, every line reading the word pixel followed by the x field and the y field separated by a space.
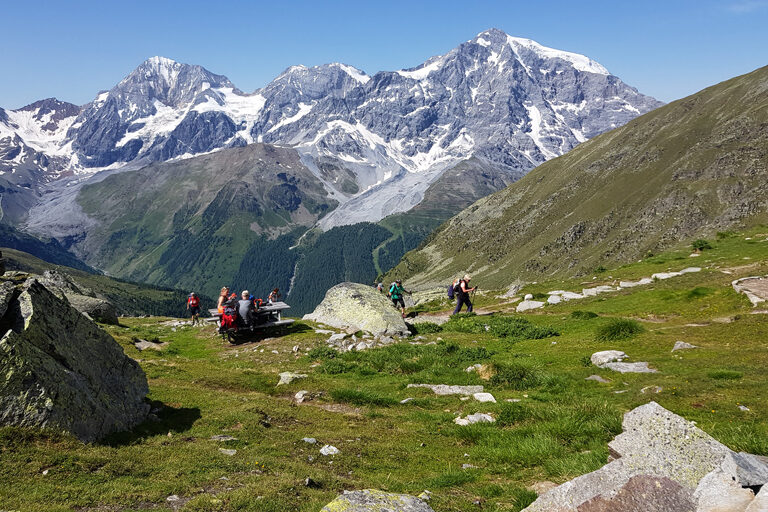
pixel 396 292
pixel 245 308
pixel 223 297
pixel 274 296
pixel 228 313
pixel 380 287
pixel 462 291
pixel 193 305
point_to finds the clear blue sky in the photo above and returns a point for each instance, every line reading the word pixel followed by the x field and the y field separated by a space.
pixel 73 49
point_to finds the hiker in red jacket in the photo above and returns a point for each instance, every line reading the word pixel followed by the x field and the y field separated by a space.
pixel 193 305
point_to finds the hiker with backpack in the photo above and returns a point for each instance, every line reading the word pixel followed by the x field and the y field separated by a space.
pixel 245 309
pixel 229 313
pixel 462 291
pixel 223 297
pixel 396 292
pixel 193 305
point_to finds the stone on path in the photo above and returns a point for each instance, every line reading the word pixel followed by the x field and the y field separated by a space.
pixel 288 377
pixel 681 345
pixel 60 371
pixel 755 288
pixel 665 275
pixel 445 389
pixel 641 367
pixel 471 419
pixel 592 292
pixel 631 284
pixel 329 450
pixel 528 305
pixel 598 378
pixel 359 307
pixel 607 356
pixel 661 462
pixel 484 397
pixel 222 438
pixel 371 500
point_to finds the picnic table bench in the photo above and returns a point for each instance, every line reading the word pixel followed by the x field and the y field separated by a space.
pixel 267 316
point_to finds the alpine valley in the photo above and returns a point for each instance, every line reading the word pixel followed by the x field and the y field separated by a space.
pixel 177 178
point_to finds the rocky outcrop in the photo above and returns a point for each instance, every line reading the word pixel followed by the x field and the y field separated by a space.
pixel 661 462
pixel 60 371
pixel 79 297
pixel 359 307
pixel 371 500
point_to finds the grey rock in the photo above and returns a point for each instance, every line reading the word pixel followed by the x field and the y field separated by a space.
pixel 471 419
pixel 329 450
pixel 360 307
pixel 227 451
pixel 80 298
pixel 681 345
pixel 752 470
pixel 607 356
pixel 661 462
pixel 301 396
pixel 309 440
pixel 652 390
pixel 484 397
pixel 371 500
pixel 640 367
pixel 223 438
pixel 598 378
pixel 527 305
pixel 148 345
pixel 61 371
pixel 6 295
pixel 288 377
pixel 445 389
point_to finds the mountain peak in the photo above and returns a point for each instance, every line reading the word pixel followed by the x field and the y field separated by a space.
pixel 496 39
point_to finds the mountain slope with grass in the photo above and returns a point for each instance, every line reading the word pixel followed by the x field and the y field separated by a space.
pixel 688 169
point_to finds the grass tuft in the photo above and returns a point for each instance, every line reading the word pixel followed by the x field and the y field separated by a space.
pixel 517 375
pixel 725 375
pixel 583 315
pixel 618 329
pixel 357 397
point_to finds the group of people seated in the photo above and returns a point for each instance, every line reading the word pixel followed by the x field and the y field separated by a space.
pixel 241 313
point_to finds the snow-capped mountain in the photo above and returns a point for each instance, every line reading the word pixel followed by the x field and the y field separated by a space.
pixel 376 142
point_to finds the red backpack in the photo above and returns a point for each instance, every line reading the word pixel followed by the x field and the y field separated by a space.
pixel 229 317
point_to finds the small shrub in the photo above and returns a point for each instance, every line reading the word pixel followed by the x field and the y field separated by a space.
pixel 600 270
pixel 700 245
pixel 425 328
pixel 322 353
pixel 512 413
pixel 722 235
pixel 618 329
pixel 335 367
pixel 516 375
pixel 698 292
pixel 725 375
pixel 583 315
pixel 586 361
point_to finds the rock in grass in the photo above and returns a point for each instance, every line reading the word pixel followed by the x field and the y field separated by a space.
pixel 445 389
pixel 607 356
pixel 223 438
pixel 80 298
pixel 228 452
pixel 681 345
pixel 484 397
pixel 639 367
pixel 471 419
pixel 329 450
pixel 288 377
pixel 371 500
pixel 60 371
pixel 528 305
pixel 661 462
pixel 361 308
pixel 598 378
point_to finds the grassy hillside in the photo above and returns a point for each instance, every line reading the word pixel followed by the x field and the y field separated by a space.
pixel 557 427
pixel 128 298
pixel 688 169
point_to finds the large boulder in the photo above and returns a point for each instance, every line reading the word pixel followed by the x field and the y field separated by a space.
pixel 661 462
pixel 371 500
pixel 59 370
pixel 359 307
pixel 81 298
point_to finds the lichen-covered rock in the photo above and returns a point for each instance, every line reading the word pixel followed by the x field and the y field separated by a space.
pixel 360 307
pixel 661 463
pixel 59 370
pixel 371 500
pixel 81 298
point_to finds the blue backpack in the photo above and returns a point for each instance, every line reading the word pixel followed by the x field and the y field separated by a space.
pixel 450 291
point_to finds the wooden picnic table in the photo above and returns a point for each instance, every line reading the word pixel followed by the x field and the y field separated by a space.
pixel 268 315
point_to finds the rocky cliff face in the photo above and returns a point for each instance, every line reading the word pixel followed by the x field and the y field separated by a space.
pixel 60 371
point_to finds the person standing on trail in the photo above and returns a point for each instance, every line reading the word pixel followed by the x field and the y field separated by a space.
pixel 396 292
pixel 462 292
pixel 193 305
pixel 223 297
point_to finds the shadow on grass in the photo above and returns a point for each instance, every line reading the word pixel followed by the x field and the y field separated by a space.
pixel 169 419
